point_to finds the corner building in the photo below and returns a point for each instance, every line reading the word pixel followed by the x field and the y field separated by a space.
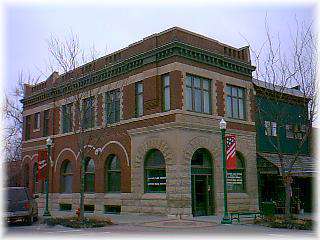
pixel 154 111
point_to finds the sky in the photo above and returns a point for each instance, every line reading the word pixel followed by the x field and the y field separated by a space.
pixel 110 27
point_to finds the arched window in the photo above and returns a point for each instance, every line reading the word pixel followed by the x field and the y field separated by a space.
pixel 89 176
pixel 236 179
pixel 35 178
pixel 155 171
pixel 113 174
pixel 66 177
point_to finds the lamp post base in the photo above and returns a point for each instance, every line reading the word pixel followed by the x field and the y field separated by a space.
pixel 46 214
pixel 226 220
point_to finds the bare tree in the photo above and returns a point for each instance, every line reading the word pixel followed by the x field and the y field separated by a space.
pixel 78 110
pixel 290 80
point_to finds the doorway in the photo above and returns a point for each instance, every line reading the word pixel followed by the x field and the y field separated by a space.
pixel 201 183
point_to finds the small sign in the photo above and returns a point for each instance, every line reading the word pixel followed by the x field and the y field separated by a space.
pixel 156 181
pixel 234 178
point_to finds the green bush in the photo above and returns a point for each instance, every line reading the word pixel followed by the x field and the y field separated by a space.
pixel 75 223
pixel 281 222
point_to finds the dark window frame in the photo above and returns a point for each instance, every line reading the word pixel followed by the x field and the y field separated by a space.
pixel 64 174
pixel 242 170
pixel 67 118
pixel 46 122
pixel 138 94
pixel 27 128
pixel 158 171
pixel 89 187
pixel 88 112
pixel 193 88
pixel 110 185
pixel 112 106
pixel 166 87
pixel 36 121
pixel 237 98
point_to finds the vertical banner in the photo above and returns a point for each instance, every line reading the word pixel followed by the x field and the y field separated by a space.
pixel 42 164
pixel 231 152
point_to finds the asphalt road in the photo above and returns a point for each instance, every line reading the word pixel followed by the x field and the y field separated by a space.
pixel 165 228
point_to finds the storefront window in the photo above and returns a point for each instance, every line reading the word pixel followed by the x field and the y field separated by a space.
pixel 236 178
pixel 155 172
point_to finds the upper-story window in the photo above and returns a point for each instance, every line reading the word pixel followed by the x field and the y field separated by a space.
pixel 295 131
pixel 67 118
pixel 27 128
pixel 270 128
pixel 198 94
pixel 139 99
pixel 166 92
pixel 36 125
pixel 112 106
pixel 45 123
pixel 88 113
pixel 235 102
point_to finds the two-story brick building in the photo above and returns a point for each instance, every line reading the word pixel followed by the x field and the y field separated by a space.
pixel 153 113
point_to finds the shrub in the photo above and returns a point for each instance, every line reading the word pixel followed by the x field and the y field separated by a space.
pixel 281 222
pixel 75 223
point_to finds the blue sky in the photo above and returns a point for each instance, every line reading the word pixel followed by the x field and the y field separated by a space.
pixel 111 27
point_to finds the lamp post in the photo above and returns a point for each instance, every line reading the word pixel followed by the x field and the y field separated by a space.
pixel 46 211
pixel 223 126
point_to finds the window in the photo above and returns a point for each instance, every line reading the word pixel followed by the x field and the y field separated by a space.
pixel 198 94
pixel 155 171
pixel 236 178
pixel 113 174
pixel 46 123
pixel 66 177
pixel 235 102
pixel 114 209
pixel 166 92
pixel 289 131
pixel 89 208
pixel 89 176
pixel 65 206
pixel 139 99
pixel 67 118
pixel 35 178
pixel 27 128
pixel 88 113
pixel 36 121
pixel 295 131
pixel 112 106
pixel 270 128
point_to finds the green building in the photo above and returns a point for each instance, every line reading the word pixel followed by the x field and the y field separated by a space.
pixel 282 124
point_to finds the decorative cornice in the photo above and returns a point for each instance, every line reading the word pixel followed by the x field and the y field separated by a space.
pixel 175 48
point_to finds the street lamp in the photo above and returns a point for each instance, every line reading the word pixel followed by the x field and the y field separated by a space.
pixel 223 127
pixel 46 211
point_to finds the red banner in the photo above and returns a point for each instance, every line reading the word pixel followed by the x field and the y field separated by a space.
pixel 42 164
pixel 231 152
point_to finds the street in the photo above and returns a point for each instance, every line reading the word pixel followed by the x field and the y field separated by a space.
pixel 164 227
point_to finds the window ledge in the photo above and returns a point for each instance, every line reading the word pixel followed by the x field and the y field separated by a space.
pixel 112 195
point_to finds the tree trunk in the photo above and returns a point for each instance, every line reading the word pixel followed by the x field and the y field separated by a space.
pixel 82 188
pixel 288 194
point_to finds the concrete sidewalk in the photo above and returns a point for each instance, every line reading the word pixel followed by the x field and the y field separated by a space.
pixel 142 218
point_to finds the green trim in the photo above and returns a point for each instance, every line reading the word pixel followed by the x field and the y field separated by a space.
pixel 175 48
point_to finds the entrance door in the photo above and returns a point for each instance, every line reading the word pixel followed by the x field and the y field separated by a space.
pixel 200 195
pixel 201 183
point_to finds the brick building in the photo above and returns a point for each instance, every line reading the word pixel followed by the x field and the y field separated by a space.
pixel 150 133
